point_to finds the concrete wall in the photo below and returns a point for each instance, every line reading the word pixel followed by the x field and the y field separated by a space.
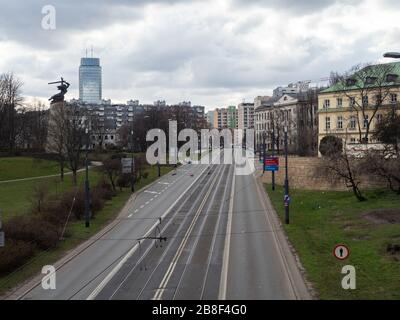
pixel 304 173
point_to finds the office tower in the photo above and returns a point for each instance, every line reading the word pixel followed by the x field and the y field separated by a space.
pixel 90 80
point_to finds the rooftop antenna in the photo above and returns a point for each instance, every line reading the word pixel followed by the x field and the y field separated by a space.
pixel 86 52
pixel 92 51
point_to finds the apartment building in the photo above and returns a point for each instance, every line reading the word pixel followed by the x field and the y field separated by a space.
pixel 350 109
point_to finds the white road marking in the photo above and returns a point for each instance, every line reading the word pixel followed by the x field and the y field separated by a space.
pixel 130 215
pixel 152 192
pixel 107 279
pixel 163 182
pixel 171 268
pixel 225 261
pixel 136 210
pixel 142 206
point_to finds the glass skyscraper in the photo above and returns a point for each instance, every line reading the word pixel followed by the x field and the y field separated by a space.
pixel 90 80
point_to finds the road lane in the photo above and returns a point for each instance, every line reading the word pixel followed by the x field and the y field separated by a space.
pixel 80 276
pixel 255 267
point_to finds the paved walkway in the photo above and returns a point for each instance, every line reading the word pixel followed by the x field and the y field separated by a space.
pixel 94 164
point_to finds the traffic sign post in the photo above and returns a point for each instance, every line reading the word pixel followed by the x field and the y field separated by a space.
pixel 1 233
pixel 1 239
pixel 271 164
pixel 127 165
pixel 341 252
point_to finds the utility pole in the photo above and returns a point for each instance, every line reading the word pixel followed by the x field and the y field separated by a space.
pixel 87 188
pixel 286 198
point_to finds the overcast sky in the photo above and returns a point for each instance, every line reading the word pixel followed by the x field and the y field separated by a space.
pixel 214 53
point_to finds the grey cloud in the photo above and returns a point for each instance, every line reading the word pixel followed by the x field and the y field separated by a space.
pixel 296 6
pixel 21 22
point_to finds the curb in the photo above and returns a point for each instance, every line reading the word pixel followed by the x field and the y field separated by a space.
pixel 304 288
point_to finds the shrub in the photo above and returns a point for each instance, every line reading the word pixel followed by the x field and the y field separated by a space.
pixel 14 254
pixel 330 146
pixel 123 181
pixel 32 229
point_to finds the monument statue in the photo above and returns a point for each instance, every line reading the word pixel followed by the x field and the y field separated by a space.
pixel 59 97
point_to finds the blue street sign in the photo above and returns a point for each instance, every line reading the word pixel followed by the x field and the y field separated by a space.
pixel 272 168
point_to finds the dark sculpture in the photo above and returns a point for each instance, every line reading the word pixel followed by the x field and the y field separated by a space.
pixel 59 97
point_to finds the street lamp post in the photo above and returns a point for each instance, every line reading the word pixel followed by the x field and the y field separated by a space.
pixel 286 198
pixel 273 149
pixel 264 151
pixel 87 188
pixel 132 164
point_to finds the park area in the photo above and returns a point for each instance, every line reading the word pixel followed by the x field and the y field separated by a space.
pixel 319 220
pixel 36 206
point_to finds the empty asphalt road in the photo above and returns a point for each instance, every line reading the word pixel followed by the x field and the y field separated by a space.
pixel 218 241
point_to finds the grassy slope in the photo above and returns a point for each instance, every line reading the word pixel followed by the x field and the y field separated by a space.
pixel 15 196
pixel 23 167
pixel 77 233
pixel 320 220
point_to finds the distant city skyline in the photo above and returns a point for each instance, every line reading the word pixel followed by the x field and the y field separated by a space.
pixel 213 53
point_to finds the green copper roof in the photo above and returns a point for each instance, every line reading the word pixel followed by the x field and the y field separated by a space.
pixel 373 70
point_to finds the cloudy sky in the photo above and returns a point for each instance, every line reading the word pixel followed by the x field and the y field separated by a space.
pixel 214 53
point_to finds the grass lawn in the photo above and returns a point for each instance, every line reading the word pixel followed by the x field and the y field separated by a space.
pixel 24 167
pixel 15 196
pixel 319 220
pixel 77 232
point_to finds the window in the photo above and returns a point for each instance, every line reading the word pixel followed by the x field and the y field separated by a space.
pixel 393 98
pixel 352 122
pixel 339 102
pixel 391 77
pixel 327 103
pixel 106 137
pixel 378 100
pixel 352 102
pixel 327 123
pixel 365 123
pixel 379 118
pixel 370 80
pixel 112 137
pixel 353 140
pixel 340 122
pixel 350 82
pixel 365 101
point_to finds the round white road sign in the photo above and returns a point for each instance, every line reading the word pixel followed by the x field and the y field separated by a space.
pixel 341 252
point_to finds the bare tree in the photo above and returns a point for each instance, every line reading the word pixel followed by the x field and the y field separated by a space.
pixel 66 136
pixel 307 123
pixel 112 168
pixel 341 165
pixel 57 134
pixel 10 100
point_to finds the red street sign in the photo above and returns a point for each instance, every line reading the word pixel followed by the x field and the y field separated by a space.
pixel 272 161
pixel 341 252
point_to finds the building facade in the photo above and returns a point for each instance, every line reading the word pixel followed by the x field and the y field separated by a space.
pixel 225 118
pixel 350 108
pixel 245 116
pixel 107 119
pixel 90 81
pixel 295 112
